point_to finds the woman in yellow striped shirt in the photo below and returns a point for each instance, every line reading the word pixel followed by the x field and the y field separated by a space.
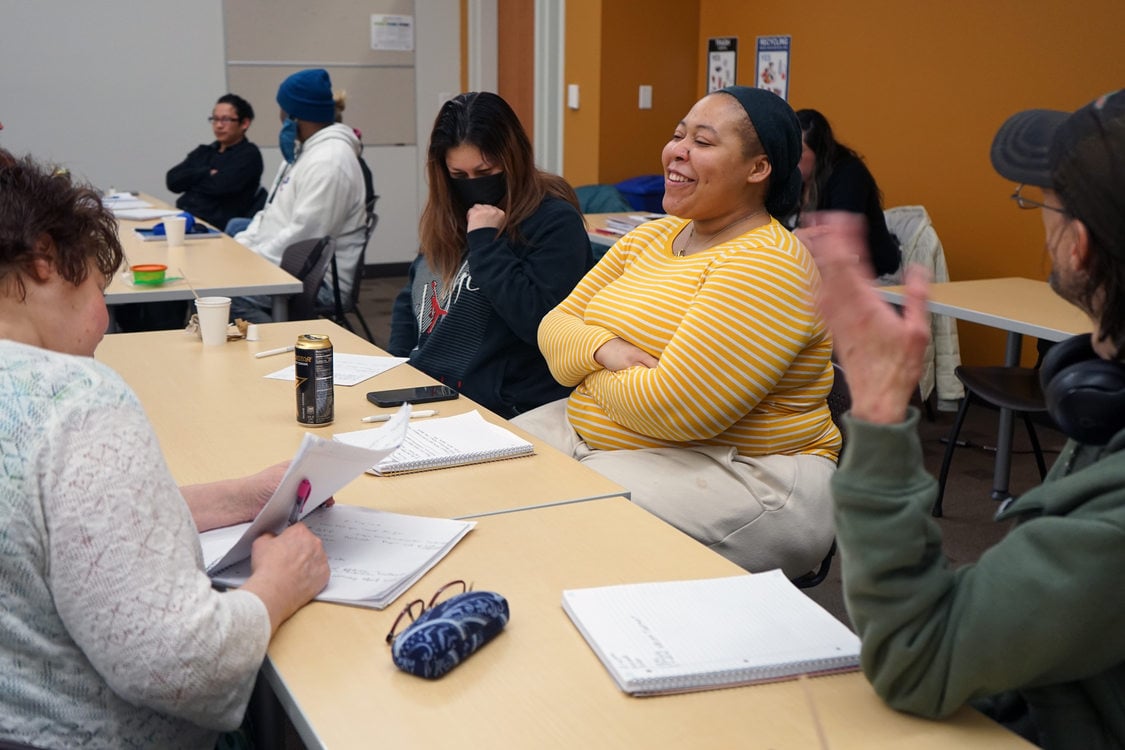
pixel 701 366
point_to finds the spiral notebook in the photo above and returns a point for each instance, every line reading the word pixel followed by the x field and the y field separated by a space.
pixel 443 442
pixel 681 636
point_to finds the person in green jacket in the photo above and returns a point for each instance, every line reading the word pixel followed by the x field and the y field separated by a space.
pixel 1038 623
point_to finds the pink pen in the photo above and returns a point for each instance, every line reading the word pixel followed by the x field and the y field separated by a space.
pixel 304 489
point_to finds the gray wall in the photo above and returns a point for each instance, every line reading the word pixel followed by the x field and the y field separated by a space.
pixel 119 90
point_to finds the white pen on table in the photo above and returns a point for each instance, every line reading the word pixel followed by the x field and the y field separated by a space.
pixel 271 352
pixel 387 417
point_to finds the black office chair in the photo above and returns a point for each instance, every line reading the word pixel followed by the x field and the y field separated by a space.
pixel 1014 388
pixel 340 308
pixel 601 199
pixel 839 401
pixel 308 260
pixel 259 200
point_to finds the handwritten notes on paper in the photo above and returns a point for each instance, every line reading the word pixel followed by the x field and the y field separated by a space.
pixel 374 555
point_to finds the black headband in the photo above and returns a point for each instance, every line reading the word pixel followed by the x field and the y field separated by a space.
pixel 780 135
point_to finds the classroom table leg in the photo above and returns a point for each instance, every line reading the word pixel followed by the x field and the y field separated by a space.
pixel 280 308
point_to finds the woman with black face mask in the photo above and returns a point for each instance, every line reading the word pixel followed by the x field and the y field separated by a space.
pixel 502 243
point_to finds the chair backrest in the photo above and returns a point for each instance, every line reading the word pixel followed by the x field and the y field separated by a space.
pixel 308 260
pixel 259 200
pixel 922 247
pixel 839 398
pixel 915 231
pixel 601 199
pixel 342 305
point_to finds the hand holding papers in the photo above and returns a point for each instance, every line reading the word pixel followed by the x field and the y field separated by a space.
pixel 374 556
pixel 327 466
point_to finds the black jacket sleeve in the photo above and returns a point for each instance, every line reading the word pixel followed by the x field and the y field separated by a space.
pixel 404 324
pixel 526 279
pixel 191 170
pixel 240 169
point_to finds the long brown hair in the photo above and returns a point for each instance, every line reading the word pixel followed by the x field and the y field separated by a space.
pixel 485 121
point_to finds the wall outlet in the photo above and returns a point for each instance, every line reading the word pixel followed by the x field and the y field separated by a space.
pixel 644 98
pixel 572 96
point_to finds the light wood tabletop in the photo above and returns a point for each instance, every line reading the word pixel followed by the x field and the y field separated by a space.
pixel 1020 306
pixel 539 685
pixel 217 416
pixel 596 225
pixel 213 266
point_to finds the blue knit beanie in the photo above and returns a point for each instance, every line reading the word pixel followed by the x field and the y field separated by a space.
pixel 780 134
pixel 307 95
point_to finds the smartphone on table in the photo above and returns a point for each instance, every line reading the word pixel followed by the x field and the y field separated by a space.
pixel 420 395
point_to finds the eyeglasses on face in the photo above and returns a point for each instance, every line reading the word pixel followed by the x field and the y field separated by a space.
pixel 414 609
pixel 223 120
pixel 1024 202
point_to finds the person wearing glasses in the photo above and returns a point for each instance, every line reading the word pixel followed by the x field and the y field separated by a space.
pixel 220 180
pixel 1032 632
pixel 701 366
pixel 110 632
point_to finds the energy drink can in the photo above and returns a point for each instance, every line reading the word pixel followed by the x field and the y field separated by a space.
pixel 313 354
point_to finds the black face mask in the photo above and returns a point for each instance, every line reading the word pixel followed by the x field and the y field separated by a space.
pixel 489 190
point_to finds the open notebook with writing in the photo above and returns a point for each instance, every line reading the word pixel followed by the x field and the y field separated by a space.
pixel 373 556
pixel 439 443
pixel 680 636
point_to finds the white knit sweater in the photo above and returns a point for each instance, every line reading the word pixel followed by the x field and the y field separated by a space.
pixel 110 632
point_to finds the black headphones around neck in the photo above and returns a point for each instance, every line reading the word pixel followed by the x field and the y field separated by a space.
pixel 1085 394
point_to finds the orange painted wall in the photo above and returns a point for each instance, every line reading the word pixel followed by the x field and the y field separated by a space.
pixel 516 39
pixel 583 65
pixel 612 48
pixel 921 88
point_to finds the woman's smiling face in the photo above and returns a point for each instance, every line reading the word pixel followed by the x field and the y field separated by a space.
pixel 706 169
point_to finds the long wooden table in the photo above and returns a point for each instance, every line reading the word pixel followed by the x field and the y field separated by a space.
pixel 217 415
pixel 1022 307
pixel 213 266
pixel 539 685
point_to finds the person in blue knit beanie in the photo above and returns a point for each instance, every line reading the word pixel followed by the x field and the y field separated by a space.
pixel 319 189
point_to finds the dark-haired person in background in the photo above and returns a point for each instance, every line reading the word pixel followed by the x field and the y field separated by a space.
pixel 502 243
pixel 836 179
pixel 220 180
pixel 1037 625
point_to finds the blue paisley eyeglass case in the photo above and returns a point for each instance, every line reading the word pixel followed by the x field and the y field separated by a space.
pixel 448 633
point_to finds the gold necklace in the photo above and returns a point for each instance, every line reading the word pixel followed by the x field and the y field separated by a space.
pixel 708 237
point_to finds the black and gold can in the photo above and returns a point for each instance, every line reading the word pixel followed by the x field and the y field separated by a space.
pixel 313 353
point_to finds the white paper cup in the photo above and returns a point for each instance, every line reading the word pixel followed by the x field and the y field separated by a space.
pixel 213 313
pixel 174 230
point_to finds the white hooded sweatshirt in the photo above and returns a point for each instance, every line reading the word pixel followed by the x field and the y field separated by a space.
pixel 321 193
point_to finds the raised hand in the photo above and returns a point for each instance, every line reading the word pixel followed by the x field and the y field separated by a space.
pixel 880 350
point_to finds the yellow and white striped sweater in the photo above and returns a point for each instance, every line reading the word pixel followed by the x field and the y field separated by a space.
pixel 744 357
